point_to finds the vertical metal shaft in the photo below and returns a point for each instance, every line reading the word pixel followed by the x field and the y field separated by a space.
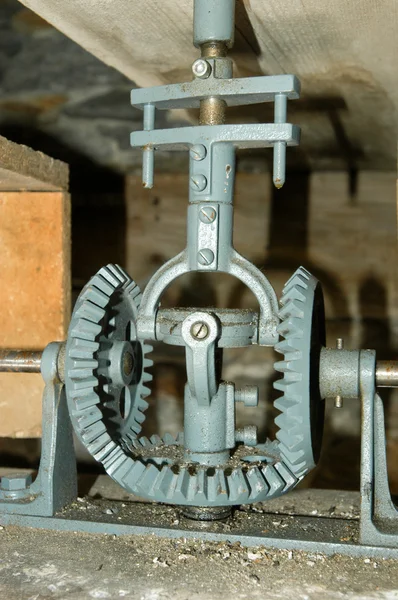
pixel 280 111
pixel 148 156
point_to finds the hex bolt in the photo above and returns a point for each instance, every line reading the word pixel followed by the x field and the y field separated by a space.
pixel 205 256
pixel 338 401
pixel 198 183
pixel 198 152
pixel 207 214
pixel 16 482
pixel 201 68
pixel 199 330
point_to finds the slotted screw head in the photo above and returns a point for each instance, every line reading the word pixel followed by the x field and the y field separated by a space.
pixel 198 183
pixel 201 68
pixel 198 152
pixel 199 330
pixel 205 256
pixel 207 214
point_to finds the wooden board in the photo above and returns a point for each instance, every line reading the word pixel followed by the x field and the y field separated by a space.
pixel 34 295
pixel 22 168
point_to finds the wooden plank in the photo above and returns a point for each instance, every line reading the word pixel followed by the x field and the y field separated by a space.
pixel 22 168
pixel 34 295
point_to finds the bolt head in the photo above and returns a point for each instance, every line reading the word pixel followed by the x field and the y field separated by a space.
pixel 16 482
pixel 207 214
pixel 200 330
pixel 205 256
pixel 201 68
pixel 198 183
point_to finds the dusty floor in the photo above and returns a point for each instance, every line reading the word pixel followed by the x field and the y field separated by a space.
pixel 42 565
pixel 38 564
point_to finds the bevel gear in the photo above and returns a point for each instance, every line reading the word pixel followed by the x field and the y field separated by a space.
pixel 302 409
pixel 106 366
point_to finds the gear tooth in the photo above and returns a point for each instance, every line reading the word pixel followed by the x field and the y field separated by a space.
pixel 134 291
pixel 85 330
pixel 146 482
pixel 291 308
pixel 116 273
pixel 180 438
pixel 295 460
pixel 284 403
pixel 145 391
pixel 185 484
pixel 102 284
pixel 83 349
pixel 147 377
pixel 238 485
pixel 274 480
pixel 167 481
pixel 168 439
pixel 90 311
pixel 156 440
pixel 145 442
pixel 285 366
pixel 147 348
pixel 286 384
pixel 291 328
pixel 148 363
pixel 257 483
pixel 115 460
pixel 287 476
pixel 142 405
pixel 282 347
pixel 285 423
pixel 96 296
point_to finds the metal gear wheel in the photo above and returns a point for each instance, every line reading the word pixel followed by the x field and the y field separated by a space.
pixel 105 365
pixel 101 349
pixel 302 409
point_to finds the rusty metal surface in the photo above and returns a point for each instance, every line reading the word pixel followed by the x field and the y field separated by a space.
pixel 387 373
pixel 20 361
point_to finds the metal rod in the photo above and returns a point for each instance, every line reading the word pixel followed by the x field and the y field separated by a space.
pixel 280 111
pixel 20 361
pixel 148 155
pixel 387 373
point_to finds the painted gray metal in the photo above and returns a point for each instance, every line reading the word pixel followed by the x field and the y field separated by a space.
pixel 262 135
pixel 325 546
pixel 214 20
pixel 56 483
pixel 235 92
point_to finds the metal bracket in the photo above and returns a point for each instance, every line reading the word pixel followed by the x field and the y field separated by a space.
pixel 379 516
pixel 56 483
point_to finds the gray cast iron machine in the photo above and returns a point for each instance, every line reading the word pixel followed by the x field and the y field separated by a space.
pixel 97 382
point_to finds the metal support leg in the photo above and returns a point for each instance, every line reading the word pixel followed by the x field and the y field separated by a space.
pixel 56 483
pixel 379 516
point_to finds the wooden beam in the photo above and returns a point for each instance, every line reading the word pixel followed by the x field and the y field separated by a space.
pixel 24 169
